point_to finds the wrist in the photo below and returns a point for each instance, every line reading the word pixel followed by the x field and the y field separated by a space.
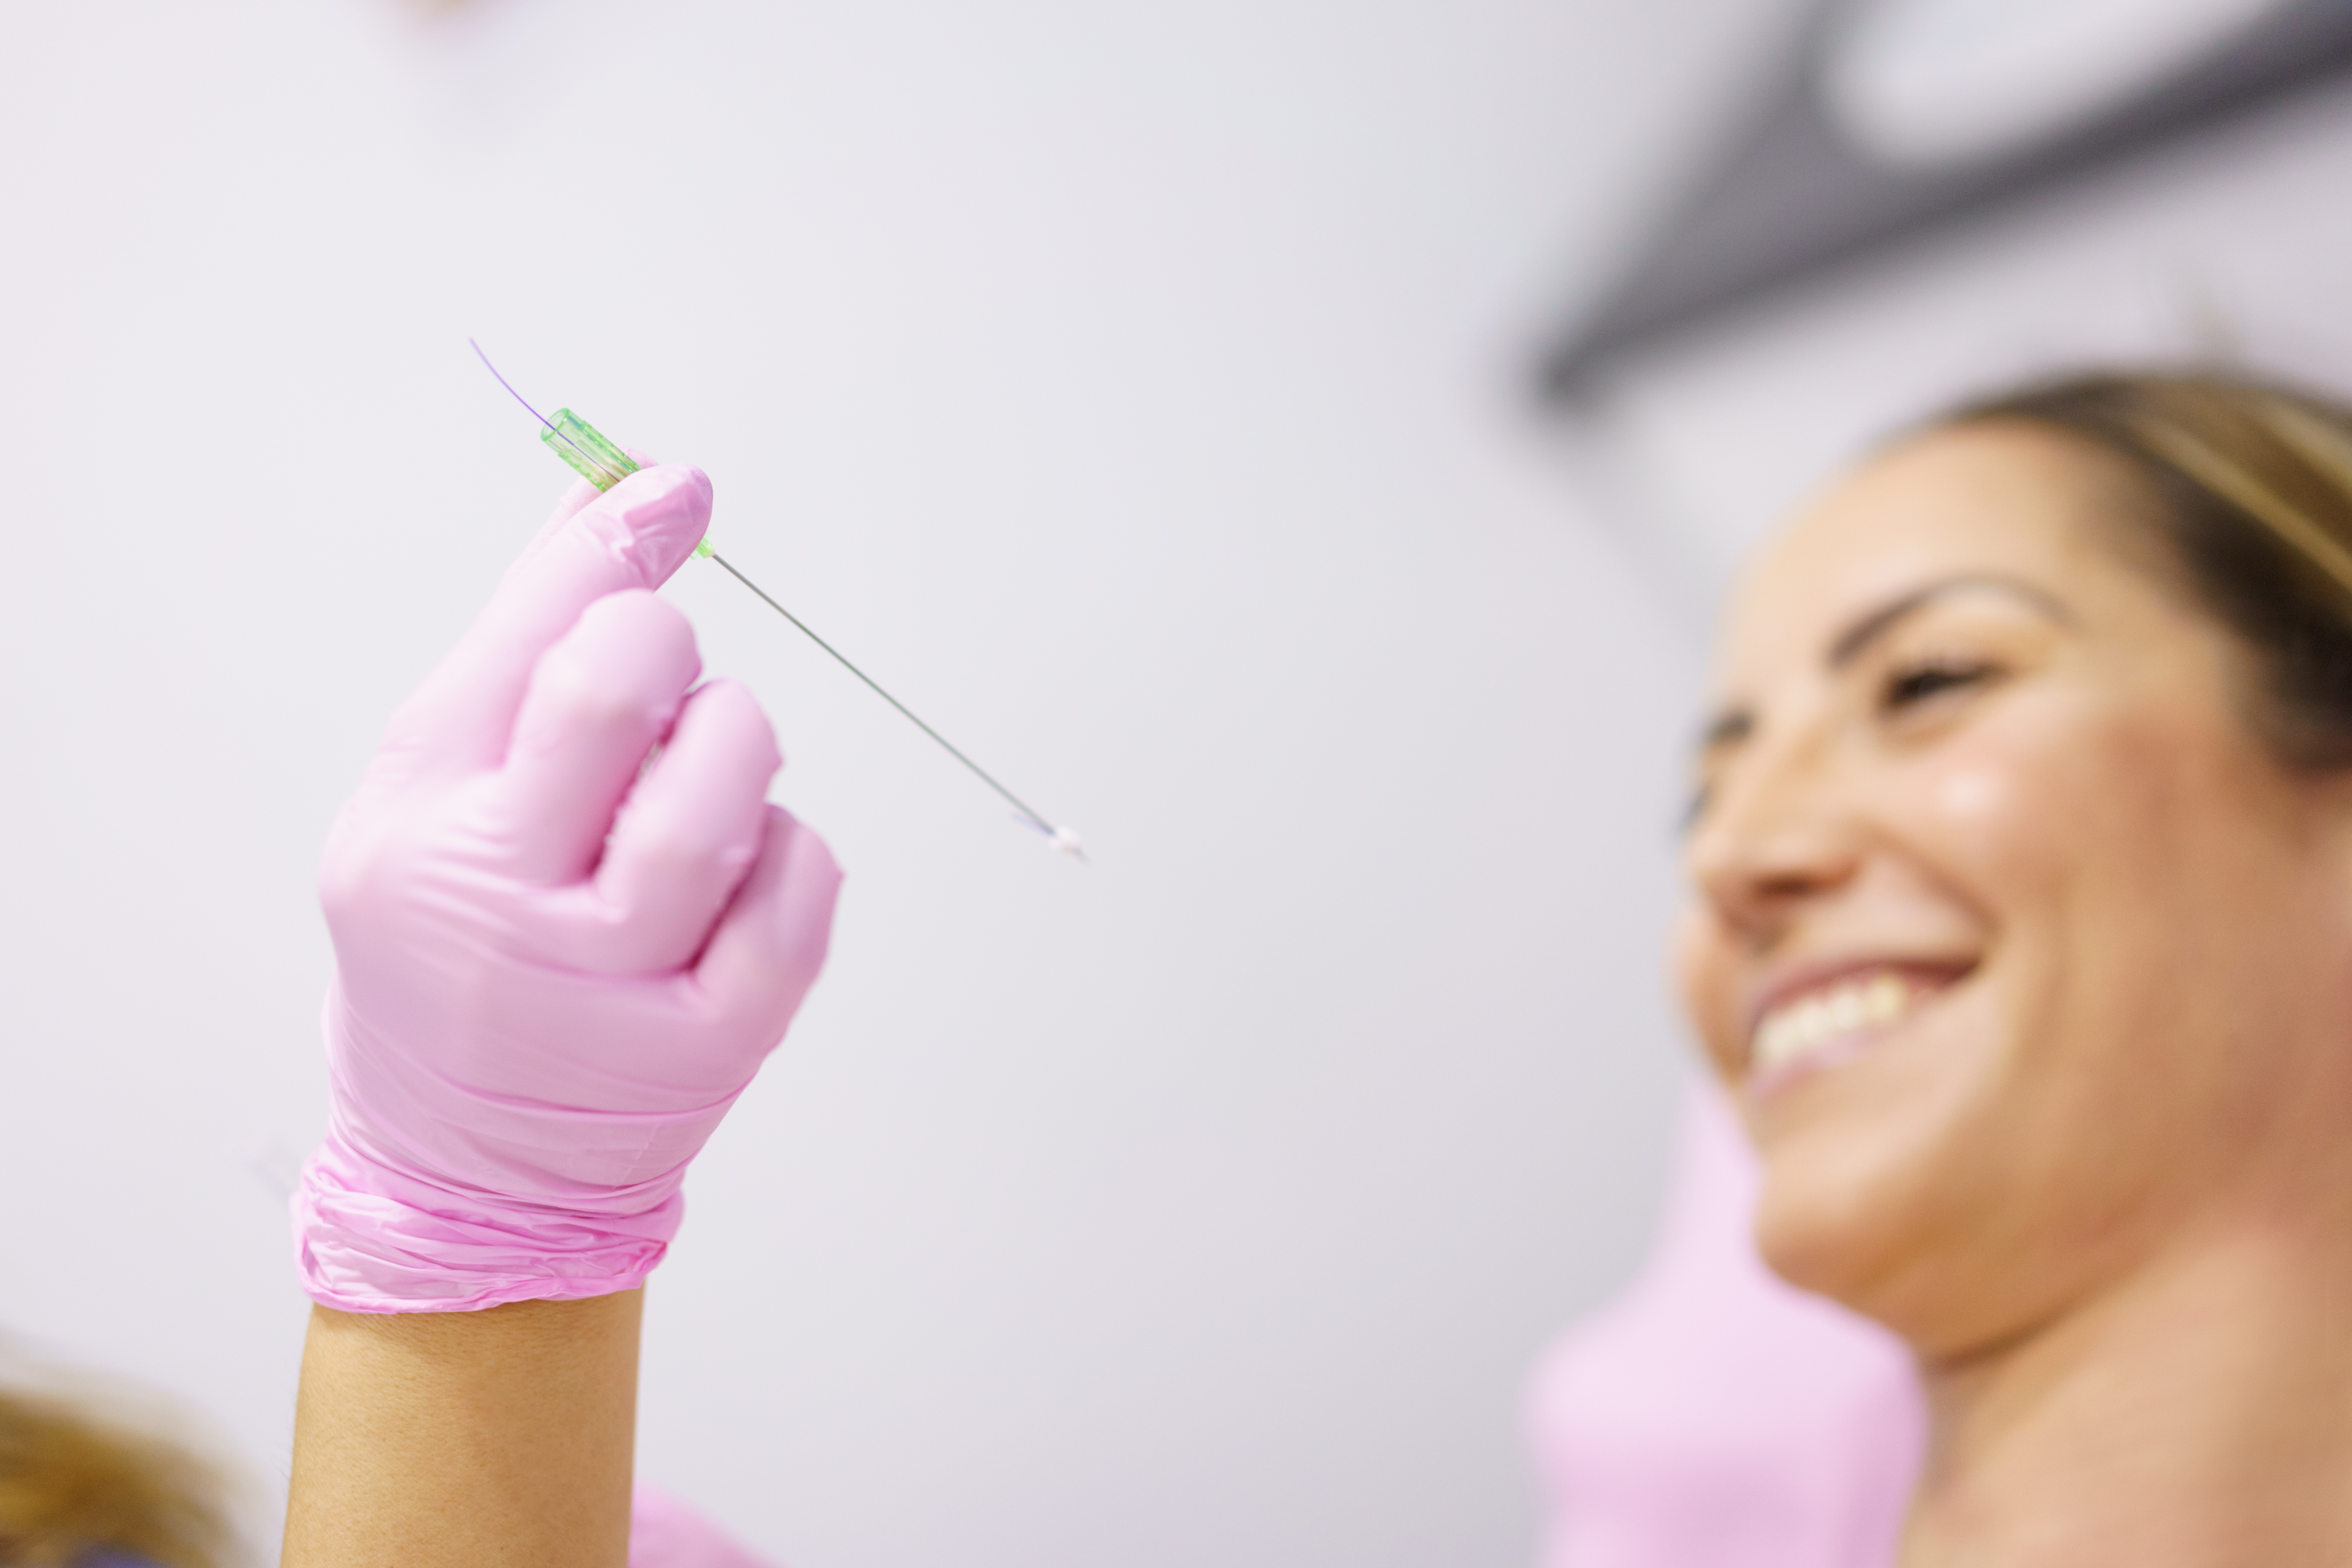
pixel 448 1440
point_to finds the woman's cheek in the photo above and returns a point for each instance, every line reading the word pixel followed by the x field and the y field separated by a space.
pixel 2000 805
pixel 1972 796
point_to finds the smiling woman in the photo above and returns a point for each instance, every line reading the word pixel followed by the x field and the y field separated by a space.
pixel 2021 926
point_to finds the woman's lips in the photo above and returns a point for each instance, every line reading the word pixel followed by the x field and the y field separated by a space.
pixel 1827 1015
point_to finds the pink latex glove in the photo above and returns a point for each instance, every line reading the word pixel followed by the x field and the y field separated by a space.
pixel 1713 1416
pixel 557 962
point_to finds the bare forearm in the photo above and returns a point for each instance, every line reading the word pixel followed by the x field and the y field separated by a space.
pixel 456 1439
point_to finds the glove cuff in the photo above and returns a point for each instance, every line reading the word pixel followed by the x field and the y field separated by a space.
pixel 371 1239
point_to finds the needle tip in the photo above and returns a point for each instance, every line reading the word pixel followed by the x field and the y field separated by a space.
pixel 1060 840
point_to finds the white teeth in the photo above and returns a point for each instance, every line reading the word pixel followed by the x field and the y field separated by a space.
pixel 1797 1028
pixel 1885 997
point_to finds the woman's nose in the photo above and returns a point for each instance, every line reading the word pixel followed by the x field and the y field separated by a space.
pixel 1774 841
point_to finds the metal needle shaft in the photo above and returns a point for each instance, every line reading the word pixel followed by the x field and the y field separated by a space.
pixel 1034 817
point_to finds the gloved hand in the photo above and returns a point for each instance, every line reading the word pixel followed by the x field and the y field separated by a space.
pixel 567 929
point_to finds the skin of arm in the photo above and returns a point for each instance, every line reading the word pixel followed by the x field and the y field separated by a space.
pixel 459 1439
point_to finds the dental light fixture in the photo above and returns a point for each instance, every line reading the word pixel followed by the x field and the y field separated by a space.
pixel 1893 117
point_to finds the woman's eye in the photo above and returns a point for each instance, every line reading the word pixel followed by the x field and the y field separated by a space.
pixel 1917 683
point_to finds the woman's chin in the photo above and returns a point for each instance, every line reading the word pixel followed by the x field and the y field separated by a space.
pixel 1865 1185
pixel 1869 1161
pixel 1828 1246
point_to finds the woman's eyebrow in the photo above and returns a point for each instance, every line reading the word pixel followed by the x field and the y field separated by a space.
pixel 1851 642
pixel 1726 729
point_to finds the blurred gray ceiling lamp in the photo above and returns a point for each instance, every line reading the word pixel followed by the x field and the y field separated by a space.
pixel 1893 118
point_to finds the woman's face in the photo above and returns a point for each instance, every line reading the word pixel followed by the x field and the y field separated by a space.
pixel 2019 952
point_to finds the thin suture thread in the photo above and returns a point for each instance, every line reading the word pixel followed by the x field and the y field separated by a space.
pixel 589 457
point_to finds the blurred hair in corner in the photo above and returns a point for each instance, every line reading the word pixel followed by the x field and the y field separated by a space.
pixel 91 1476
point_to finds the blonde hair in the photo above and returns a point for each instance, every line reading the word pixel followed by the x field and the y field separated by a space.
pixel 73 1486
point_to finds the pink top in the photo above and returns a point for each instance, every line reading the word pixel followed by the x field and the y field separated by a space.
pixel 1711 1416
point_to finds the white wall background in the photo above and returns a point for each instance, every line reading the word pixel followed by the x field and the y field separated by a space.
pixel 1138 389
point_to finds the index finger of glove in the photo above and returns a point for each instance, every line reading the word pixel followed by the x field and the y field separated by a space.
pixel 598 703
pixel 632 536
